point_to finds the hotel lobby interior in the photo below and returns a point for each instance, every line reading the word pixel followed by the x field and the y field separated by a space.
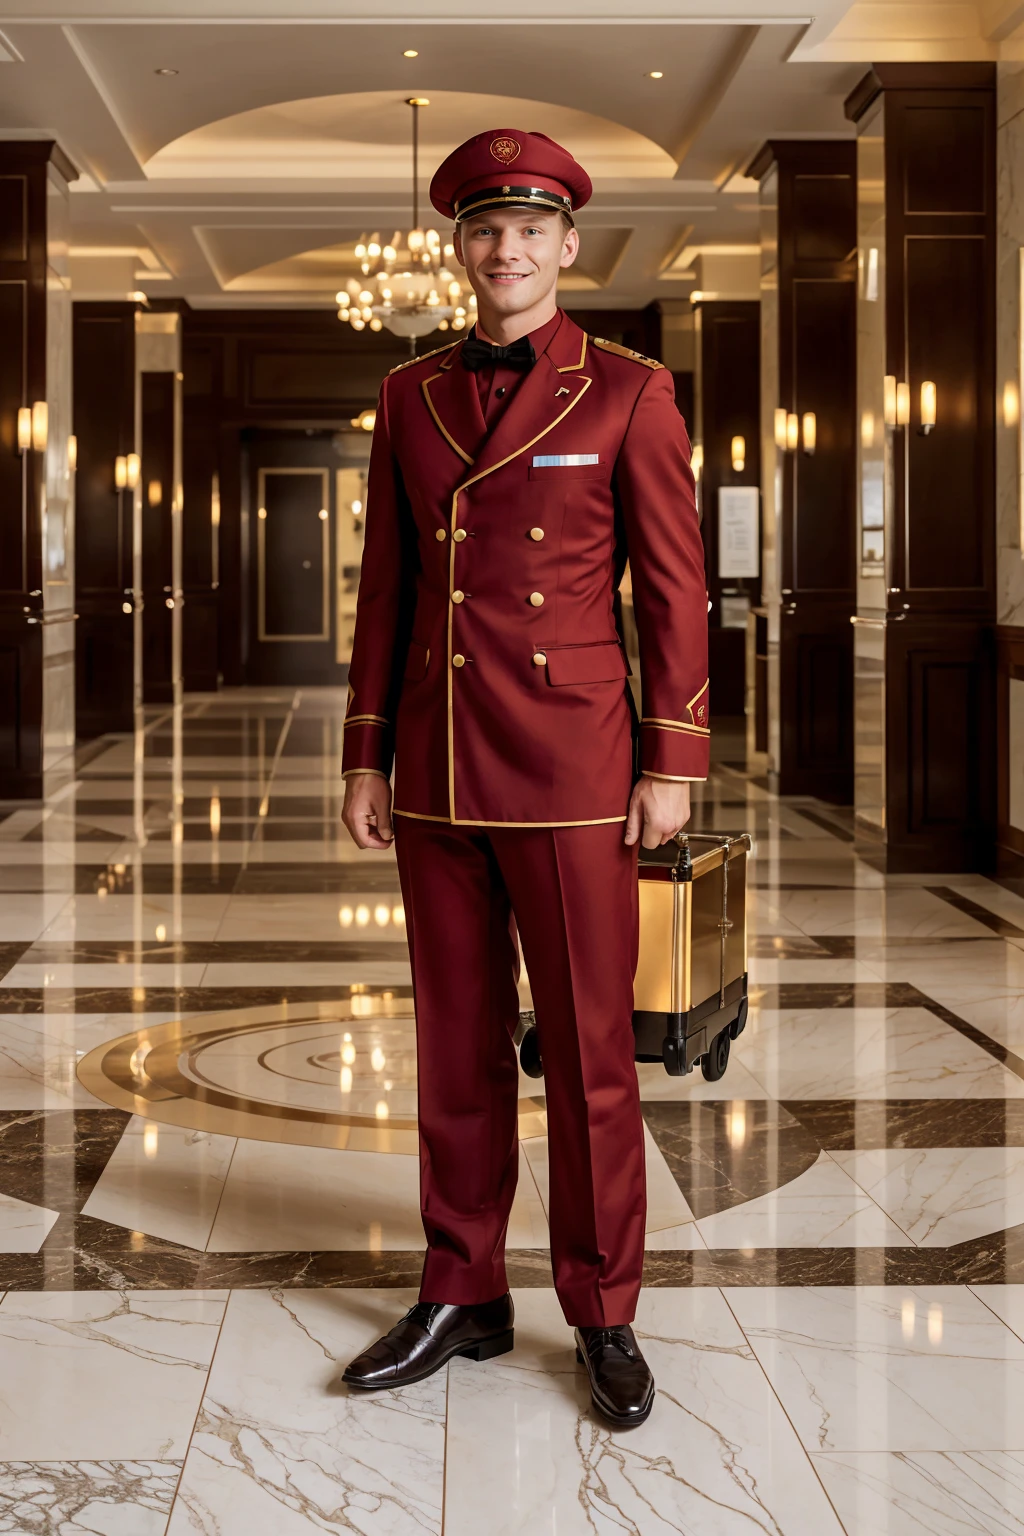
pixel 209 1170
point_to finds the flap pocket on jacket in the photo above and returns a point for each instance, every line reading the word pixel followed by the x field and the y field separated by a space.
pixel 568 471
pixel 416 662
pixel 585 664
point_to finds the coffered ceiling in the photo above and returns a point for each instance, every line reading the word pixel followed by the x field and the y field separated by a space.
pixel 234 155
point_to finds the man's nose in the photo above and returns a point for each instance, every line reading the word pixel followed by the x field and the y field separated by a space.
pixel 507 248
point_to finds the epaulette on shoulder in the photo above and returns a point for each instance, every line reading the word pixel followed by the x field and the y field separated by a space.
pixel 424 355
pixel 636 357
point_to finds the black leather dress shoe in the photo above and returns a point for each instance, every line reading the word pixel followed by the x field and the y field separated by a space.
pixel 428 1336
pixel 621 1384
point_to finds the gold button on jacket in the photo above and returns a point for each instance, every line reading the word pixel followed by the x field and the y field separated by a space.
pixel 537 534
pixel 457 597
pixel 537 599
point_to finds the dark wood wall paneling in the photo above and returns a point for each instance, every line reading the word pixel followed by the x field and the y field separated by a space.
pixel 299 369
pixel 157 491
pixel 940 318
pixel 817 266
pixel 104 421
pixel 730 341
pixel 1009 665
pixel 25 171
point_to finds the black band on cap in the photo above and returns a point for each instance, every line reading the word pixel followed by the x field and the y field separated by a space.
pixel 505 195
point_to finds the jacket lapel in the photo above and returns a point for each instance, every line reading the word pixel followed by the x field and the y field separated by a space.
pixel 452 399
pixel 552 388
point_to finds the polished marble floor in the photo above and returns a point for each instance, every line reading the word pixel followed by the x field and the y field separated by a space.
pixel 208 1185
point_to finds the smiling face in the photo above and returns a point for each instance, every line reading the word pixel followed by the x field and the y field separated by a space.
pixel 513 257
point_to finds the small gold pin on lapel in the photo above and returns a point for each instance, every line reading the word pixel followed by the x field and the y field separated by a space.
pixel 563 391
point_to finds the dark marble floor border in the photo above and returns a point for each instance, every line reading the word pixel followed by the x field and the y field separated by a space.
pixel 981 914
pixel 129 1000
pixel 86 952
pixel 882 994
pixel 149 1264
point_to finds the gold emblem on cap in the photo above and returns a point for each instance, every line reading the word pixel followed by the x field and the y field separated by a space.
pixel 505 150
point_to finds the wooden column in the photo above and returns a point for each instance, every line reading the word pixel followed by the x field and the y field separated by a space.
pixel 926 603
pixel 36 516
pixel 808 195
pixel 729 406
pixel 104 391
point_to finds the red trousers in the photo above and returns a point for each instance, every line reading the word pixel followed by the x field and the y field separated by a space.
pixel 573 892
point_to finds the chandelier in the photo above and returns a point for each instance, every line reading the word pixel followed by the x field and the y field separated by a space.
pixel 407 285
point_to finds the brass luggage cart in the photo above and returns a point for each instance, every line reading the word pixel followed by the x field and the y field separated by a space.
pixel 690 990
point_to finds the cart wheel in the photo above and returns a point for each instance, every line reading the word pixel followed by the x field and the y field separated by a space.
pixel 739 1023
pixel 713 1065
pixel 529 1054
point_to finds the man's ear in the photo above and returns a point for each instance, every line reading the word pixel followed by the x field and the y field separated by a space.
pixel 457 242
pixel 570 248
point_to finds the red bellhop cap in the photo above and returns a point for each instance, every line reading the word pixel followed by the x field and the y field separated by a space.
pixel 508 168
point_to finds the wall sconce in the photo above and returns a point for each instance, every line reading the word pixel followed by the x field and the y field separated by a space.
pixel 810 433
pixel 780 426
pixel 867 429
pixel 72 454
pixel 738 453
pixel 902 404
pixel 133 469
pixel 120 472
pixel 33 426
pixel 697 459
pixel 366 420
pixel 889 399
pixel 792 431
pixel 154 493
pixel 929 401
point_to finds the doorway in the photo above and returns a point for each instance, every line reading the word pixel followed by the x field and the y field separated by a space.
pixel 302 527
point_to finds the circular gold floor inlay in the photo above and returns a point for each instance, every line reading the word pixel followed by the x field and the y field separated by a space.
pixel 325 1074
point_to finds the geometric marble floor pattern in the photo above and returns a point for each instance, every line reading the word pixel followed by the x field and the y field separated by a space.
pixel 208 1178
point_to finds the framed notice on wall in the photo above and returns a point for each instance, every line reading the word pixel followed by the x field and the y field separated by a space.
pixel 739 533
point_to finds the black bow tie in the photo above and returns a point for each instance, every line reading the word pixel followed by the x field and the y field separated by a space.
pixel 477 354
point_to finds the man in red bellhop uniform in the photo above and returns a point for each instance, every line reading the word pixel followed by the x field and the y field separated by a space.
pixel 512 474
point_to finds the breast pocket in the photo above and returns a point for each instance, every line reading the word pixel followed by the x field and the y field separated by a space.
pixel 566 472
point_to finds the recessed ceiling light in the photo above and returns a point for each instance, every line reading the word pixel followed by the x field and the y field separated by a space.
pixel 411 53
pixel 165 71
pixel 656 74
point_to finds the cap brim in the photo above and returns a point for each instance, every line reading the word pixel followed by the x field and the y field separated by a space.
pixel 494 198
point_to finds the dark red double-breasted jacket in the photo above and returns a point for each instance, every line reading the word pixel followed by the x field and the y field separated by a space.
pixel 487 660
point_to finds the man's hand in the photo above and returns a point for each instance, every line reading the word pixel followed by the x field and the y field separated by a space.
pixel 658 808
pixel 367 810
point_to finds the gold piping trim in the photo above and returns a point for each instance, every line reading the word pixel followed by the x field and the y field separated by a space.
pixel 366 720
pixel 703 687
pixel 439 423
pixel 452 821
pixel 586 382
pixel 451 696
pixel 677 725
pixel 377 773
pixel 571 367
pixel 422 358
